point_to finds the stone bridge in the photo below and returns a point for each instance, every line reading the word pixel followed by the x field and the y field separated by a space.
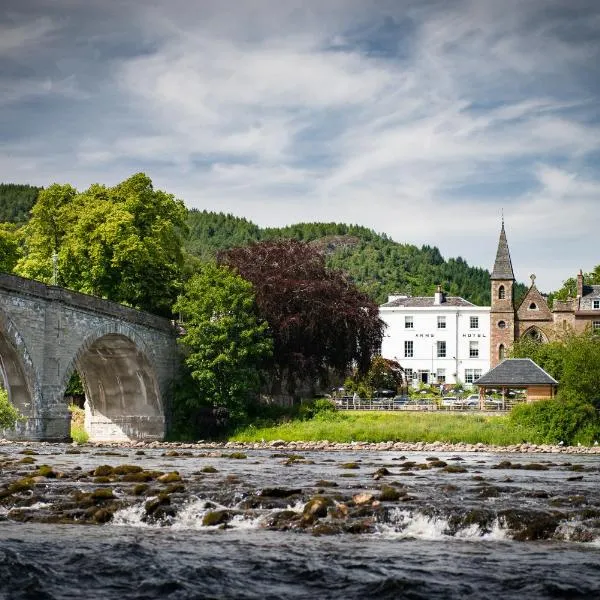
pixel 126 360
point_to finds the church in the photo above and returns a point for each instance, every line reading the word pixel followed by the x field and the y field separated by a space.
pixel 531 316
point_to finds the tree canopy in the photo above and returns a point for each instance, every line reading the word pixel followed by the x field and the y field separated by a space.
pixel 226 341
pixel 16 201
pixel 122 243
pixel 319 320
pixel 9 247
pixel 574 362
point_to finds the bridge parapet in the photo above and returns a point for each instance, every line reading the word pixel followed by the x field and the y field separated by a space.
pixel 31 287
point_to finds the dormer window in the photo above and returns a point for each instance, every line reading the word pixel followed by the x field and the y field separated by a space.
pixel 501 293
pixel 596 304
pixel 533 306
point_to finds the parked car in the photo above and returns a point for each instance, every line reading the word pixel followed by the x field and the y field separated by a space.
pixel 449 401
pixel 400 400
pixel 471 401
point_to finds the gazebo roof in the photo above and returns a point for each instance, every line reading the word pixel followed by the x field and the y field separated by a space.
pixel 516 372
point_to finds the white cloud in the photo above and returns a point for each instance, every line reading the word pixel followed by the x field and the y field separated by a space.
pixel 286 112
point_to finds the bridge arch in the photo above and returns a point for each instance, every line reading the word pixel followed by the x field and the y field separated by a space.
pixel 16 370
pixel 123 396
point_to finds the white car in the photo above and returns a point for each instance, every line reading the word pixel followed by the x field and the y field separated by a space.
pixel 471 401
pixel 449 401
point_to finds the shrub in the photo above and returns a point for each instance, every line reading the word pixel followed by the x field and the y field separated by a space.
pixel 567 420
pixel 9 415
pixel 319 407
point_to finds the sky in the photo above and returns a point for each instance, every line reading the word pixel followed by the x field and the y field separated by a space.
pixel 425 120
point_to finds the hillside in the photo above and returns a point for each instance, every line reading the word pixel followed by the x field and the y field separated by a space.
pixel 16 202
pixel 375 262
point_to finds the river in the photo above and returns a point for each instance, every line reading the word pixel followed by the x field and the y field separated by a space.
pixel 477 525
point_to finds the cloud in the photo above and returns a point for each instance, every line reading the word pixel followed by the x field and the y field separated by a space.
pixel 418 119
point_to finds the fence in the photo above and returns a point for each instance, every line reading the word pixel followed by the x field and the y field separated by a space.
pixel 425 404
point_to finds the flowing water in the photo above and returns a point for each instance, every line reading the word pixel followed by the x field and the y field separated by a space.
pixel 464 525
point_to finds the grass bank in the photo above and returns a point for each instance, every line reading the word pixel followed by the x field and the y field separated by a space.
pixel 393 426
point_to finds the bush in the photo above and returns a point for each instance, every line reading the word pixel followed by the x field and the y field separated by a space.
pixel 319 407
pixel 567 420
pixel 78 432
pixel 8 413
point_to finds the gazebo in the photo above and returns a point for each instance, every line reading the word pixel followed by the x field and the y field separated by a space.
pixel 518 374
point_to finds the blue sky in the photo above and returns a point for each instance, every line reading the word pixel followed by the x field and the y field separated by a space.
pixel 421 120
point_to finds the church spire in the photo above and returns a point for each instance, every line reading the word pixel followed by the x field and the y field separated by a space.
pixel 503 265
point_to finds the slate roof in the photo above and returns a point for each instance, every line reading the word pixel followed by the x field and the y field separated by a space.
pixel 503 265
pixel 426 301
pixel 515 372
pixel 590 292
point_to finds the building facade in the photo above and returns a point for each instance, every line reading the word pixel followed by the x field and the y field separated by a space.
pixel 437 340
pixel 531 316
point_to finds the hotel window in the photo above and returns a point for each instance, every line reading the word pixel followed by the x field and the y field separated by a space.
pixel 596 304
pixel 441 375
pixel 501 293
pixel 441 322
pixel 472 375
pixel 596 325
pixel 473 349
pixel 408 373
pixel 408 349
pixel 501 352
pixel 441 349
pixel 474 322
pixel 408 323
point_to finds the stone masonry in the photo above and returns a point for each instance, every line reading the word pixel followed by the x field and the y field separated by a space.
pixel 127 361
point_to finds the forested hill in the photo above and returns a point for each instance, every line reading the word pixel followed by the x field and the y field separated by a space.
pixel 16 201
pixel 374 261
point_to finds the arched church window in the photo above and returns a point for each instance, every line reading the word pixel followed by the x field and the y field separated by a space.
pixel 535 335
pixel 501 324
pixel 501 293
pixel 501 352
pixel 533 306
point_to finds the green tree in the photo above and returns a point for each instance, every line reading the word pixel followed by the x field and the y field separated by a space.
pixel 122 243
pixel 581 367
pixel 225 340
pixel 550 356
pixel 8 413
pixel 51 218
pixel 574 362
pixel 9 247
pixel 16 201
pixel 569 286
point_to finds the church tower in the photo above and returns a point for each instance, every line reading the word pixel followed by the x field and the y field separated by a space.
pixel 502 314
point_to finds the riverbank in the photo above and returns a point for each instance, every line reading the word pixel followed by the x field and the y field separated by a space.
pixel 327 446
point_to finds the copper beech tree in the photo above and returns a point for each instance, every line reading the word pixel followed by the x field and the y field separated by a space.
pixel 319 320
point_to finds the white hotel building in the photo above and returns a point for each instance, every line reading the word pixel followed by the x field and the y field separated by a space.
pixel 439 339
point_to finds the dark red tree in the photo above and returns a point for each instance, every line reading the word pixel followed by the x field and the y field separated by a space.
pixel 319 320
